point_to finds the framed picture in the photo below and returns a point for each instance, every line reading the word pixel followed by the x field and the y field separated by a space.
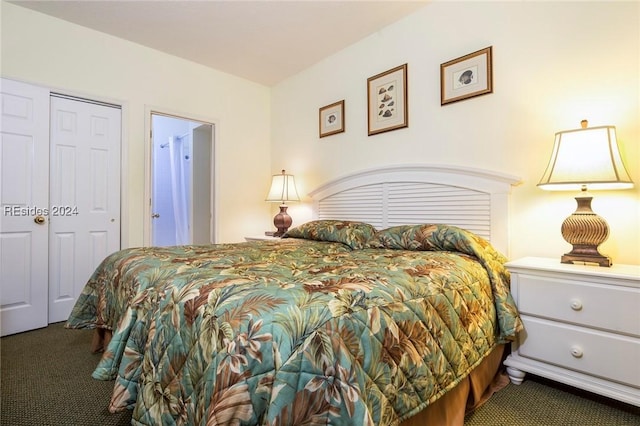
pixel 387 100
pixel 465 77
pixel 332 119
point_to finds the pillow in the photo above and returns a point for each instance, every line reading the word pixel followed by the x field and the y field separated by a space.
pixel 434 237
pixel 353 234
pixel 404 237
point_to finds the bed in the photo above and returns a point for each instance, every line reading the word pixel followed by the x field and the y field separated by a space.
pixel 390 307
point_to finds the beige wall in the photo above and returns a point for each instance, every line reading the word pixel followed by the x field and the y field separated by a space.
pixel 50 52
pixel 555 63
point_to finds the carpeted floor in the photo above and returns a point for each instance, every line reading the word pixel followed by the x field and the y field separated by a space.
pixel 46 381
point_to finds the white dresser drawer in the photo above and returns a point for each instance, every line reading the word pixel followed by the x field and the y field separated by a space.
pixel 600 354
pixel 582 325
pixel 614 308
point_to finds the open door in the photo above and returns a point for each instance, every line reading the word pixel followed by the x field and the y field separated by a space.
pixel 202 187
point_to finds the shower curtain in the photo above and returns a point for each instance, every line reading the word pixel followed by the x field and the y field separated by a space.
pixel 179 189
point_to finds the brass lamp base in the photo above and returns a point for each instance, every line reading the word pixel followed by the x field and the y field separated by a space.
pixel 585 231
pixel 282 221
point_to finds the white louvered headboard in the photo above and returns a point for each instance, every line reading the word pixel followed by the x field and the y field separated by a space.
pixel 472 199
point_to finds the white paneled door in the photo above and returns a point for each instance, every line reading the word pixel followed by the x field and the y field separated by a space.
pixel 60 160
pixel 24 194
pixel 84 202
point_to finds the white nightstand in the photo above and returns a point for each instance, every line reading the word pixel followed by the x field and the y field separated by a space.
pixel 582 326
pixel 261 238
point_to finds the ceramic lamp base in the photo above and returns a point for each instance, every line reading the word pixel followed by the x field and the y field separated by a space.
pixel 282 221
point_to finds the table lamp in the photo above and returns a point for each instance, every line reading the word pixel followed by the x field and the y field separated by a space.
pixel 283 189
pixel 585 158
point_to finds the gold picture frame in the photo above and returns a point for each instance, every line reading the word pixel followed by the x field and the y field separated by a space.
pixel 331 119
pixel 467 76
pixel 387 100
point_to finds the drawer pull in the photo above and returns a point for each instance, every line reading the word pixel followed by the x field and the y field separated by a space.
pixel 576 305
pixel 576 352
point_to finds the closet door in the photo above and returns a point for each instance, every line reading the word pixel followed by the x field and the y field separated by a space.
pixel 24 194
pixel 84 197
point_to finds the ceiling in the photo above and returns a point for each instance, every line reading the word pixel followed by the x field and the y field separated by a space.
pixel 263 41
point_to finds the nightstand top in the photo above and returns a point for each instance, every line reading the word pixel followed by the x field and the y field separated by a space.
pixel 554 265
pixel 261 237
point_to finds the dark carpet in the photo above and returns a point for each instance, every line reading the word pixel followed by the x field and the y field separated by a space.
pixel 46 381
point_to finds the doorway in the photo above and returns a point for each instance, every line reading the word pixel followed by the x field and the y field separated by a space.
pixel 182 198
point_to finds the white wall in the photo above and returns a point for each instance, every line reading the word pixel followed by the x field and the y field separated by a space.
pixel 555 63
pixel 50 52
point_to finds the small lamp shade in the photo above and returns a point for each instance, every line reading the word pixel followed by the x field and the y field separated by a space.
pixel 585 158
pixel 283 189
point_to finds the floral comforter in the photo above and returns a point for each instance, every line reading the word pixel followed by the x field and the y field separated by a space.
pixel 298 331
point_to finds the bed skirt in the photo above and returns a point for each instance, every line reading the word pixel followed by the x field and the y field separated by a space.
pixel 472 392
pixel 100 340
pixel 449 410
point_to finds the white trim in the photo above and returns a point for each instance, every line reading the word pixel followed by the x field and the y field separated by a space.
pixel 374 197
pixel 478 179
pixel 125 220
